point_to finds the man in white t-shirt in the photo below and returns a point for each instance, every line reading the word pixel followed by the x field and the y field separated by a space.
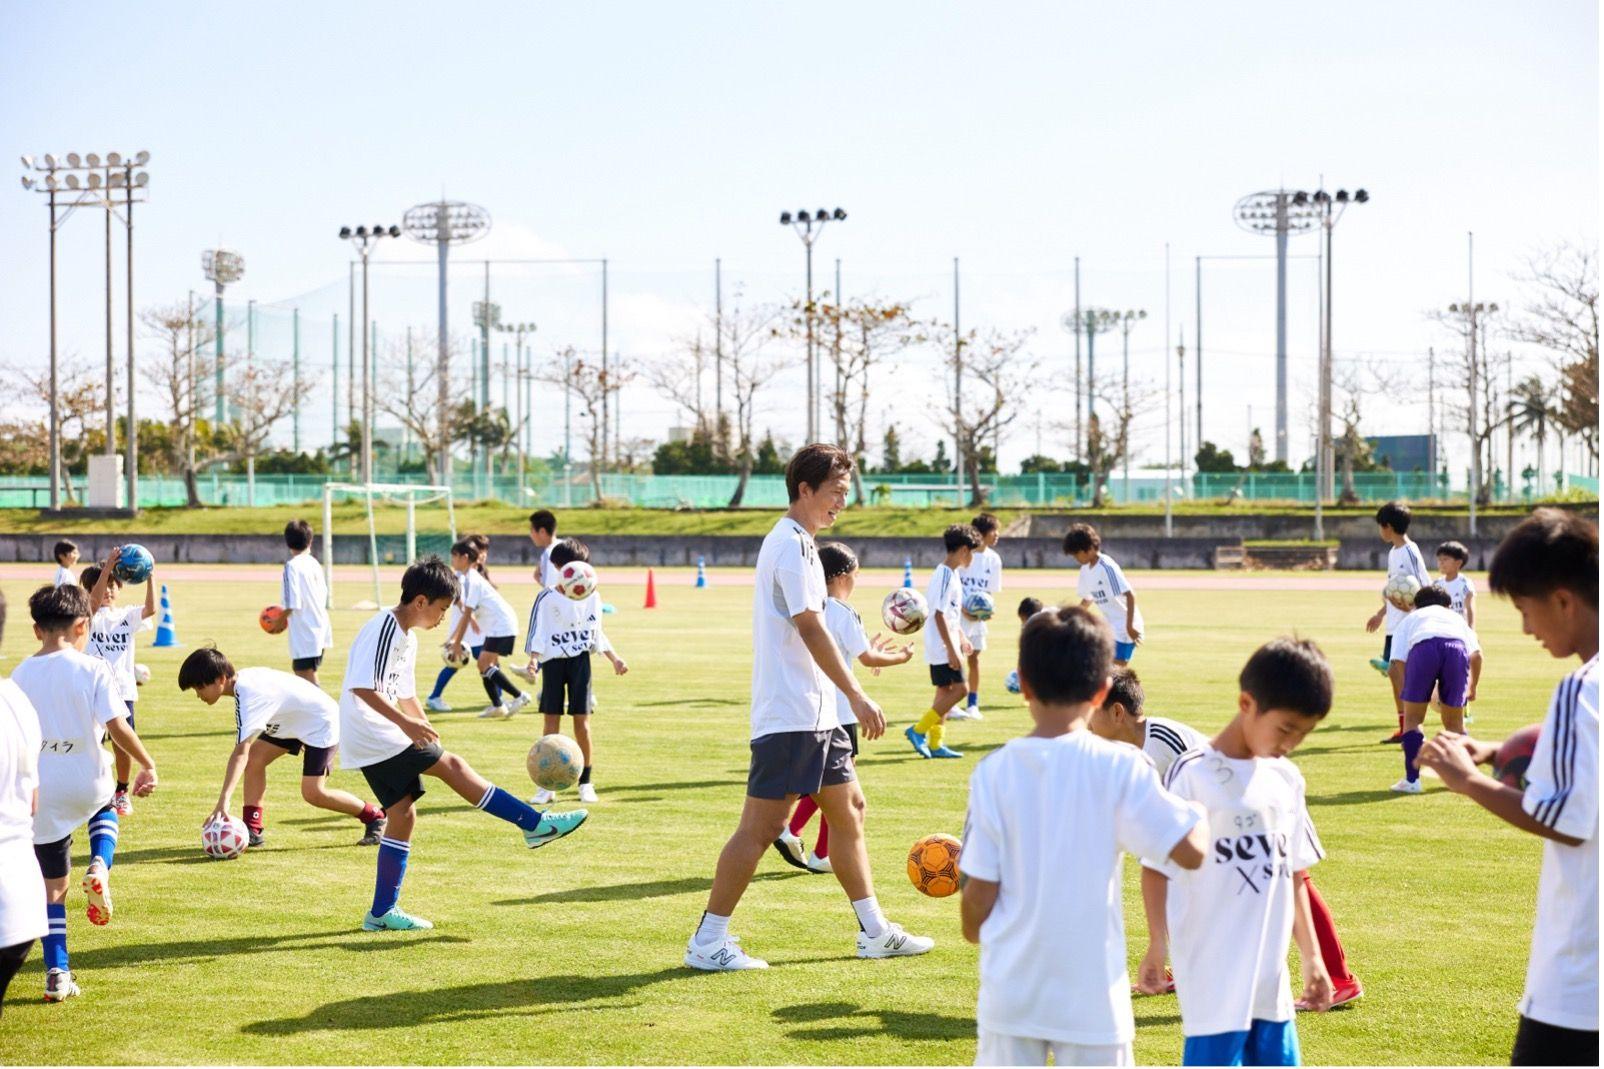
pixel 1102 583
pixel 275 713
pixel 798 747
pixel 1050 817
pixel 304 597
pixel 22 887
pixel 543 533
pixel 982 575
pixel 1403 558
pixel 1548 566
pixel 111 638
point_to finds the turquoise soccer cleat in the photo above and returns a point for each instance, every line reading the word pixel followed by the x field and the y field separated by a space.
pixel 1379 665
pixel 945 751
pixel 920 746
pixel 554 826
pixel 397 920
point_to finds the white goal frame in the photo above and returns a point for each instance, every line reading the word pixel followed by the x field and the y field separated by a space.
pixel 413 494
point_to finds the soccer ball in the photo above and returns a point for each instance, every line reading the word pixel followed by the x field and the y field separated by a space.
pixel 576 580
pixel 555 762
pixel 1401 591
pixel 904 610
pixel 978 605
pixel 454 662
pixel 1514 756
pixel 270 618
pixel 1011 682
pixel 224 840
pixel 933 865
pixel 134 564
pixel 141 674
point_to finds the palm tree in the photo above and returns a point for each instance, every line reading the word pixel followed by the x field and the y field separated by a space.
pixel 1534 410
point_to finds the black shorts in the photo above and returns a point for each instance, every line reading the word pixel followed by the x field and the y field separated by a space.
pixel 852 733
pixel 55 859
pixel 945 675
pixel 1537 1043
pixel 500 645
pixel 572 673
pixel 315 760
pixel 302 664
pixel 799 762
pixel 395 779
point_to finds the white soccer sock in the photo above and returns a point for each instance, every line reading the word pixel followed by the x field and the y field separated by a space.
pixel 713 929
pixel 870 918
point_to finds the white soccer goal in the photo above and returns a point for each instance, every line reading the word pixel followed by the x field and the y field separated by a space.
pixel 387 494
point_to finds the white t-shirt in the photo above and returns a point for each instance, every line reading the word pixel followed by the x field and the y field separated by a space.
pixel 846 627
pixel 1432 621
pixel 282 705
pixel 562 627
pixel 74 696
pixel 1461 589
pixel 22 888
pixel 790 692
pixel 1562 794
pixel 492 611
pixel 471 637
pixel 1049 820
pixel 1104 584
pixel 111 638
pixel 1404 560
pixel 548 574
pixel 1231 920
pixel 1164 740
pixel 944 595
pixel 984 572
pixel 307 596
pixel 383 657
pixel 64 576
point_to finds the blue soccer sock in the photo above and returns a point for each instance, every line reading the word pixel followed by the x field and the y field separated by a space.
pixel 1412 742
pixel 391 871
pixel 498 803
pixel 441 680
pixel 103 828
pixel 974 698
pixel 55 943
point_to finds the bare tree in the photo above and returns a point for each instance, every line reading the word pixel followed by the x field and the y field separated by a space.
pixel 865 335
pixel 432 411
pixel 259 397
pixel 180 333
pixel 678 377
pixel 747 331
pixel 1478 409
pixel 997 373
pixel 1106 449
pixel 1562 319
pixel 593 386
pixel 80 404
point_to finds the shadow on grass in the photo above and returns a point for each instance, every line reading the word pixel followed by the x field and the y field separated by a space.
pixel 198 950
pixel 682 785
pixel 624 892
pixel 844 1020
pixel 682 702
pixel 1374 794
pixel 191 855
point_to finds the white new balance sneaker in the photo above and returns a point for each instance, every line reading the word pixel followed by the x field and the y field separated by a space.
pixel 893 943
pixel 587 792
pixel 816 863
pixel 494 712
pixel 543 797
pixel 725 955
pixel 790 849
pixel 438 705
pixel 1404 786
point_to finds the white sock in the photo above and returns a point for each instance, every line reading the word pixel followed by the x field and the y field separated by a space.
pixel 870 919
pixel 713 929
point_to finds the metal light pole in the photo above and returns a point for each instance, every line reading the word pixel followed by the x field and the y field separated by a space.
pixel 518 330
pixel 224 267
pixel 486 317
pixel 1169 522
pixel 1095 321
pixel 363 239
pixel 1127 319
pixel 957 388
pixel 808 227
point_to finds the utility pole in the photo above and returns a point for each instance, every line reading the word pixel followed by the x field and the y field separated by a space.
pixel 1079 436
pixel 1169 462
pixel 957 385
pixel 718 349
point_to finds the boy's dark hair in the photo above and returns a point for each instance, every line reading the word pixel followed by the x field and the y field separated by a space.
pixel 1064 655
pixel 813 466
pixel 1290 674
pixel 1455 550
pixel 985 523
pixel 1079 538
pixel 1394 515
pixel 205 665
pixel 837 560
pixel 297 535
pixel 1126 689
pixel 1029 607
pixel 1435 594
pixel 431 578
pixel 91 575
pixel 543 520
pixel 567 550
pixel 960 535
pixel 63 548
pixel 56 608
pixel 1552 549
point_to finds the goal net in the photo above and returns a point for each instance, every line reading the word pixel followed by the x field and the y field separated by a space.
pixel 430 505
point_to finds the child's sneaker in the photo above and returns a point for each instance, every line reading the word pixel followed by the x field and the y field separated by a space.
pixel 725 955
pixel 494 712
pixel 373 831
pixel 816 863
pixel 893 943
pixel 517 703
pixel 97 888
pixel 790 849
pixel 543 797
pixel 253 838
pixel 122 803
pixel 397 920
pixel 944 751
pixel 587 792
pixel 1379 665
pixel 59 986
pixel 525 671
pixel 920 746
pixel 961 713
pixel 554 826
pixel 1341 995
pixel 437 704
pixel 1407 786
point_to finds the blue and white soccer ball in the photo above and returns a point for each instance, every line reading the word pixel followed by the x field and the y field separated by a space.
pixel 978 605
pixel 134 564
pixel 1011 682
pixel 555 762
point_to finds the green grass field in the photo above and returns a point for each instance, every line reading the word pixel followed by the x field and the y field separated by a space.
pixel 571 954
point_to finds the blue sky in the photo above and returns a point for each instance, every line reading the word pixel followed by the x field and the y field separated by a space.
pixel 1013 135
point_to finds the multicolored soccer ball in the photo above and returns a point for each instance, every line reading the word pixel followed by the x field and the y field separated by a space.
pixel 134 564
pixel 454 662
pixel 904 610
pixel 978 605
pixel 933 865
pixel 225 839
pixel 576 580
pixel 141 674
pixel 555 762
pixel 1514 756
pixel 1401 590
pixel 270 618
pixel 1011 682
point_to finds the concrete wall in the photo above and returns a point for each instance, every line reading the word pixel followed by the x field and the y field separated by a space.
pixel 1426 529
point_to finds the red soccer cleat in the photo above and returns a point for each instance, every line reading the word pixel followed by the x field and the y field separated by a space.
pixel 1169 986
pixel 1343 994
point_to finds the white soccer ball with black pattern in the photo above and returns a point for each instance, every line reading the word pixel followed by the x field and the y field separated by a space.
pixel 576 580
pixel 904 610
pixel 454 662
pixel 141 674
pixel 1401 591
pixel 224 839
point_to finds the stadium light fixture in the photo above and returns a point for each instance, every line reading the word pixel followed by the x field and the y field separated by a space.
pixel 364 240
pixel 223 267
pixel 808 227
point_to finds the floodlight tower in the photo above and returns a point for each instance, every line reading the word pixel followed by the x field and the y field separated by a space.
pixel 808 227
pixel 224 267
pixel 363 239
pixel 445 223
pixel 1281 214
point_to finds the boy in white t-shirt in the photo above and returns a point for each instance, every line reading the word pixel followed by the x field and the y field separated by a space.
pixel 543 533
pixel 1451 560
pixel 1403 558
pixel 983 575
pixel 304 597
pixel 1228 923
pixel 1050 817
pixel 473 639
pixel 66 556
pixel 76 700
pixel 483 606
pixel 22 887
pixel 1102 583
pixel 111 638
pixel 275 713
pixel 1548 566
pixel 946 648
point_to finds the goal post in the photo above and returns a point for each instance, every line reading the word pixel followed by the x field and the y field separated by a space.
pixel 409 494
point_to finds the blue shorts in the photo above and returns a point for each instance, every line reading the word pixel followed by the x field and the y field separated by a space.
pixel 1124 651
pixel 1266 1043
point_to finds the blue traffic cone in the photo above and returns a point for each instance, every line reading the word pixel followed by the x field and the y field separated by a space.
pixel 907 572
pixel 701 572
pixel 166 635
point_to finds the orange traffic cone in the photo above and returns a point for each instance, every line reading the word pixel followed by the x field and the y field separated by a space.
pixel 651 590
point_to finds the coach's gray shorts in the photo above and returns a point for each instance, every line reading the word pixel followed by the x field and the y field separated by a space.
pixel 799 762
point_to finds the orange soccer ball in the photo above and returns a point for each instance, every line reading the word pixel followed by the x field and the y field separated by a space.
pixel 270 618
pixel 933 865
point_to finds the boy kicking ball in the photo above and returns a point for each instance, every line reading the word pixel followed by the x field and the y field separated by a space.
pixel 945 645
pixel 275 713
pixel 385 732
